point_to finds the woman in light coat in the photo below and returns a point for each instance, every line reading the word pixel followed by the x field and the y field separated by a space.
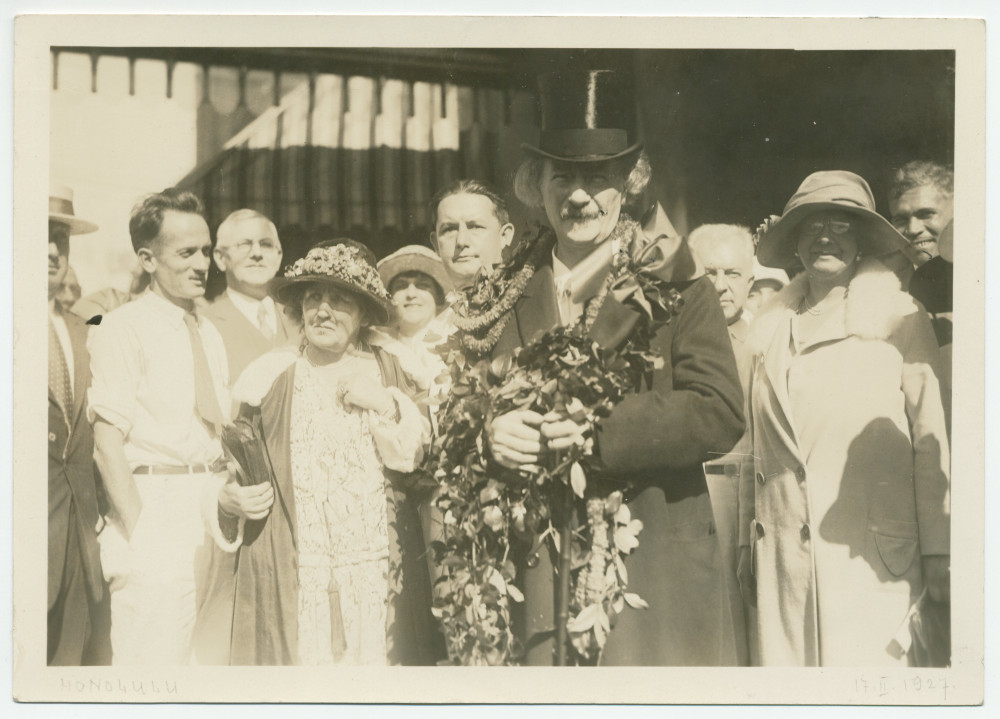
pixel 845 509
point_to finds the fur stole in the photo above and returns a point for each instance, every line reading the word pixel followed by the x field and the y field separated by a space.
pixel 875 306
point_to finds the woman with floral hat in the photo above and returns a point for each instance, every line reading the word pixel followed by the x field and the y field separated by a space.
pixel 333 575
pixel 844 501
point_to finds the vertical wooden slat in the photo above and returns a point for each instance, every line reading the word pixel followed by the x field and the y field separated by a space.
pixel 170 78
pixel 94 57
pixel 309 189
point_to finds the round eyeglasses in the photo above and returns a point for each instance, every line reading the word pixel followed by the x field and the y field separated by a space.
pixel 812 229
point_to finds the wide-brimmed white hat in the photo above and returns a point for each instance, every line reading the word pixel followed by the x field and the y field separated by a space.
pixel 829 190
pixel 61 210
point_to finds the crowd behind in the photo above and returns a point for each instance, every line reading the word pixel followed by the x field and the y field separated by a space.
pixel 791 460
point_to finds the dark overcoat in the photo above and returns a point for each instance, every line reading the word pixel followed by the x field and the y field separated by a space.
pixel 77 594
pixel 657 439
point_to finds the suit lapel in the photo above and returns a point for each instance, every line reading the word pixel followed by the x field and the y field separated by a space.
pixel 77 330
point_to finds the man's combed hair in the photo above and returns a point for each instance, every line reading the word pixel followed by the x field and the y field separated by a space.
pixel 528 180
pixel 919 173
pixel 147 216
pixel 470 187
pixel 224 235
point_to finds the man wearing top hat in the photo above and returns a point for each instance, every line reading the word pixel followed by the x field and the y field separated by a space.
pixel 587 173
pixel 77 595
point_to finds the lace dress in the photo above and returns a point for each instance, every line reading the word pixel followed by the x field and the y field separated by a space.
pixel 340 506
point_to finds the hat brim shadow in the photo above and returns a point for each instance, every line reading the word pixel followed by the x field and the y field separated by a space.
pixel 878 237
pixel 76 225
pixel 286 291
pixel 539 152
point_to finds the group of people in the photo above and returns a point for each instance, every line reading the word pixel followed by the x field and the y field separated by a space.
pixel 789 463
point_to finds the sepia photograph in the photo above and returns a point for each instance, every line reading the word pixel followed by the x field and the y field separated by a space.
pixel 381 348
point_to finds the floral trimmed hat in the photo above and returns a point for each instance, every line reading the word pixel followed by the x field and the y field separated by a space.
pixel 346 264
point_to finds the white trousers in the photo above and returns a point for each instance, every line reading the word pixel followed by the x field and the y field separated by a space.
pixel 157 578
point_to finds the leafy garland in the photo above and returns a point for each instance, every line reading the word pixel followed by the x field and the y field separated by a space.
pixel 493 515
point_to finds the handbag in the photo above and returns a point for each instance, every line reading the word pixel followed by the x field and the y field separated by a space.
pixel 243 441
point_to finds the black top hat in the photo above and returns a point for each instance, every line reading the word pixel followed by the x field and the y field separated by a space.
pixel 587 116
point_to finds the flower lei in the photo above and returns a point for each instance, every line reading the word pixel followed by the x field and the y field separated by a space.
pixel 482 316
pixel 492 515
pixel 341 262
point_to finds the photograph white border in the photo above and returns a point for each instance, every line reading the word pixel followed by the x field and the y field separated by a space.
pixel 35 682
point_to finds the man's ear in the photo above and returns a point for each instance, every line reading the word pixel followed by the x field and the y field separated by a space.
pixel 506 235
pixel 147 260
pixel 434 241
pixel 220 259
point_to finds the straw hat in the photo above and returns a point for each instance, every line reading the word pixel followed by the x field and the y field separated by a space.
pixel 61 210
pixel 415 258
pixel 829 190
pixel 348 265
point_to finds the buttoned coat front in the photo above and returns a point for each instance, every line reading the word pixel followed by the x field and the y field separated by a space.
pixel 655 440
pixel 849 481
pixel 77 595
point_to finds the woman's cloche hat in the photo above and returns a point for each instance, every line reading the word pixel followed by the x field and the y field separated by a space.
pixel 829 190
pixel 344 263
pixel 61 210
pixel 415 258
pixel 587 116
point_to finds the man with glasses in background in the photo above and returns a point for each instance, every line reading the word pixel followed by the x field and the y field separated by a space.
pixel 248 252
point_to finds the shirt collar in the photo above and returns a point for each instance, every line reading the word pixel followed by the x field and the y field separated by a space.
pixel 247 301
pixel 165 308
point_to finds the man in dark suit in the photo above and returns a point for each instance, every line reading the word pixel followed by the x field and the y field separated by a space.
pixel 587 169
pixel 78 619
pixel 248 252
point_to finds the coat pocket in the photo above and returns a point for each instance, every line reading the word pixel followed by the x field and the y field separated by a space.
pixel 896 542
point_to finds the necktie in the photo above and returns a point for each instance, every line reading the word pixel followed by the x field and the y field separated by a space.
pixel 262 321
pixel 59 381
pixel 206 400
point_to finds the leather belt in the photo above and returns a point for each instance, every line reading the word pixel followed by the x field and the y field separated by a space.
pixel 218 465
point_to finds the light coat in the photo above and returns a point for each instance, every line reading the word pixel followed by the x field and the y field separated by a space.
pixel 849 479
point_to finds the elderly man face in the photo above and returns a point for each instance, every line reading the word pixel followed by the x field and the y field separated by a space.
pixel 468 235
pixel 583 201
pixel 727 259
pixel 920 214
pixel 249 252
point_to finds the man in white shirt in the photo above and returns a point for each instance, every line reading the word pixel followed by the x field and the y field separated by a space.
pixel 248 252
pixel 160 381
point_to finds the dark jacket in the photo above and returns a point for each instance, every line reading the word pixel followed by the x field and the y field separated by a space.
pixel 657 439
pixel 73 553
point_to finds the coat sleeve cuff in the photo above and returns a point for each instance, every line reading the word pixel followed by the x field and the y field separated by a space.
pixel 225 530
